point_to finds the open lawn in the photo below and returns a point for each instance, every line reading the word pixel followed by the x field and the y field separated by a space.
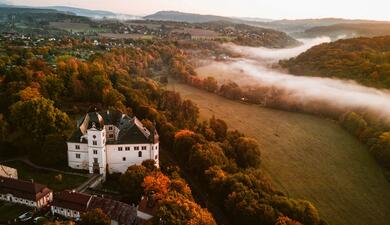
pixel 308 157
pixel 25 172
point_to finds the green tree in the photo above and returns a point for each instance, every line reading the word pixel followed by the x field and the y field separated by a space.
pixel 3 128
pixel 247 152
pixel 37 118
pixel 219 127
pixel 204 156
pixel 130 183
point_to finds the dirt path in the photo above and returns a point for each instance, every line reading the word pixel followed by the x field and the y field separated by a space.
pixel 308 157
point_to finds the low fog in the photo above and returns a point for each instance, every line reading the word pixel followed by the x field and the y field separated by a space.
pixel 311 94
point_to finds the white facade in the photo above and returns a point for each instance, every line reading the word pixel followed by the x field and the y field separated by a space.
pixel 99 150
pixel 68 213
pixel 28 202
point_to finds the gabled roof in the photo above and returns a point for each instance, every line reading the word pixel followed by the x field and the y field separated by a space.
pixel 121 212
pixel 131 130
pixel 72 200
pixel 23 189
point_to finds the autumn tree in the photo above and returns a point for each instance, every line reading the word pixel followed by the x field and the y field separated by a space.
pixel 156 183
pixel 176 209
pixel 210 84
pixel 284 220
pixel 95 217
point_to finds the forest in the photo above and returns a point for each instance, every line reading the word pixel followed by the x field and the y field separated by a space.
pixel 40 101
pixel 365 60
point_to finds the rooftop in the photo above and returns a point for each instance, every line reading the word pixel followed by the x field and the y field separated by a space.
pixel 23 189
pixel 72 200
pixel 131 130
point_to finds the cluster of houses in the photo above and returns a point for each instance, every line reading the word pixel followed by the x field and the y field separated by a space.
pixel 103 142
pixel 71 204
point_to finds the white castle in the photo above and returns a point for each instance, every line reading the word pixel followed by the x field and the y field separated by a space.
pixel 111 141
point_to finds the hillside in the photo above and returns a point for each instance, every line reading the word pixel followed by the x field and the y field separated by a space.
pixel 301 25
pixel 187 17
pixel 307 157
pixel 365 60
pixel 350 30
pixel 95 14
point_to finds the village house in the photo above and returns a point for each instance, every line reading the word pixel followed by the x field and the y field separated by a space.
pixel 111 141
pixel 27 193
pixel 72 205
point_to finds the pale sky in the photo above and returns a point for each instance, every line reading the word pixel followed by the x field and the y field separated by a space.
pixel 273 9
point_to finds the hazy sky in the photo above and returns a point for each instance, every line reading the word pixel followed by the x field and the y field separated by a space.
pixel 274 9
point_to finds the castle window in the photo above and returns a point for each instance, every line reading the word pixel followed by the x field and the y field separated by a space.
pixel 136 148
pixel 95 160
pixel 94 136
pixel 94 142
pixel 127 148
pixel 77 156
pixel 77 146
pixel 143 147
pixel 120 148
pixel 109 128
pixel 139 154
pixel 110 135
pixel 156 157
pixel 124 159
pixel 95 152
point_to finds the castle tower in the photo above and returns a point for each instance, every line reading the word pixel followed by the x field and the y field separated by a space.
pixel 97 149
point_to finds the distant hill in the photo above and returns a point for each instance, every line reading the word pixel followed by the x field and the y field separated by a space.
pixel 95 14
pixel 366 60
pixel 187 17
pixel 349 30
pixel 82 12
pixel 6 10
pixel 296 28
pixel 300 26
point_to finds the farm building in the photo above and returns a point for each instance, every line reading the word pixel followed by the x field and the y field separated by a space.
pixel 26 193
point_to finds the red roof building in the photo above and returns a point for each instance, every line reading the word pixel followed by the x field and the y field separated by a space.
pixel 25 192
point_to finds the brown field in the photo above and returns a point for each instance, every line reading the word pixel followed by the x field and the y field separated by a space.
pixel 308 157
pixel 76 27
pixel 126 36
pixel 196 32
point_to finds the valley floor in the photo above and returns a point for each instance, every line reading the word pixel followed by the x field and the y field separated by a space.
pixel 308 157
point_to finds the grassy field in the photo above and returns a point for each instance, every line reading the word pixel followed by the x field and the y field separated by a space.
pixel 26 172
pixel 308 157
